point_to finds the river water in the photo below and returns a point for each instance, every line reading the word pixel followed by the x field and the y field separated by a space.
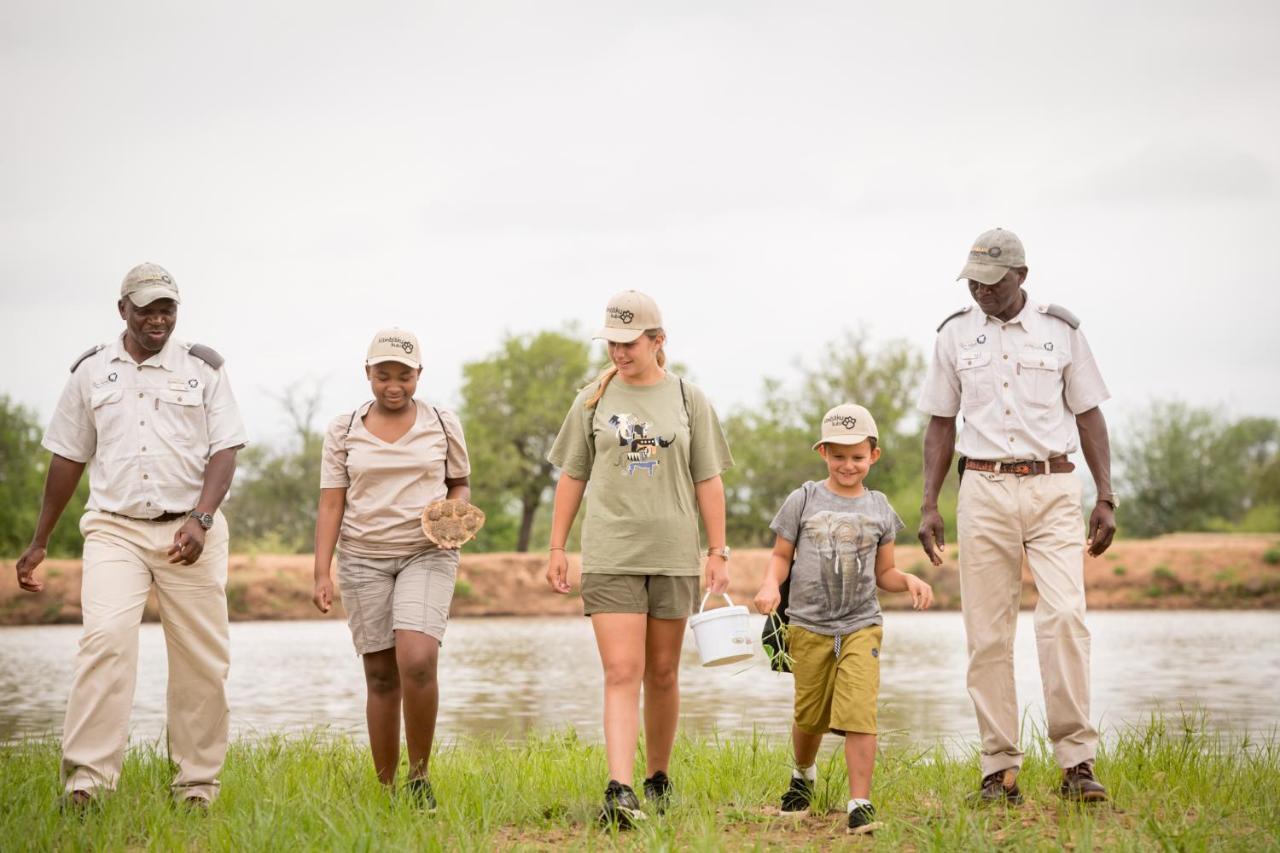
pixel 508 676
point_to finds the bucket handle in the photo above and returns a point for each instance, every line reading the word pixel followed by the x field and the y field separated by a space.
pixel 708 595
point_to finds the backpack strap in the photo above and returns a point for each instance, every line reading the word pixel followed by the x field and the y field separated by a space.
pixel 445 430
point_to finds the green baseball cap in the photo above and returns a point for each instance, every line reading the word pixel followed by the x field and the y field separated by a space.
pixel 994 253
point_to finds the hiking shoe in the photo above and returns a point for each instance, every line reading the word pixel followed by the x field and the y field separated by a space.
pixel 657 790
pixel 420 792
pixel 862 820
pixel 77 801
pixel 197 803
pixel 798 798
pixel 621 808
pixel 1001 787
pixel 1079 783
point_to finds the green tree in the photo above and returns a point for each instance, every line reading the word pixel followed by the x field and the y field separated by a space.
pixel 513 403
pixel 771 441
pixel 23 465
pixel 273 500
pixel 1187 468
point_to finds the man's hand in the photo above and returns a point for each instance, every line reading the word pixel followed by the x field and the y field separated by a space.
pixel 1102 528
pixel 768 598
pixel 188 543
pixel 27 563
pixel 932 534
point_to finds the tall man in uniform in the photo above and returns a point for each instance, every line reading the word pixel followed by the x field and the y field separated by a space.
pixel 1025 380
pixel 157 425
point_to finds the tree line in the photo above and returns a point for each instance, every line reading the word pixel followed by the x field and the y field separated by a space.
pixel 1177 467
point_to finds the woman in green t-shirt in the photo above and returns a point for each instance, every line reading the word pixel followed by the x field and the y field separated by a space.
pixel 653 450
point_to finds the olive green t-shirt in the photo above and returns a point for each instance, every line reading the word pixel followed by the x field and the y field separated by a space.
pixel 641 449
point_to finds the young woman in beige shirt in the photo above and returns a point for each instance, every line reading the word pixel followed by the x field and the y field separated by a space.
pixel 382 465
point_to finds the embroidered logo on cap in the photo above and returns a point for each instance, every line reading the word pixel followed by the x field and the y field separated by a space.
pixel 622 314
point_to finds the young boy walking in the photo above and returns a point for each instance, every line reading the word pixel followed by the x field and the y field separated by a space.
pixel 835 540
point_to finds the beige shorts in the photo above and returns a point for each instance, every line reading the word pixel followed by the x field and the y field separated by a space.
pixel 660 596
pixel 836 695
pixel 385 595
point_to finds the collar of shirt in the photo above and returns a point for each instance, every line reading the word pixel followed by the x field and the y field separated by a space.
pixel 162 359
pixel 1028 308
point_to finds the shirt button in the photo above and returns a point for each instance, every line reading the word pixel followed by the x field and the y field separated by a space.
pixel 140 368
pixel 144 448
pixel 1006 411
pixel 1006 384
pixel 1005 356
pixel 145 477
pixel 144 423
pixel 1011 439
pixel 148 503
pixel 139 395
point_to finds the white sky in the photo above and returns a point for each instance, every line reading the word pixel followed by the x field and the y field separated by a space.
pixel 772 173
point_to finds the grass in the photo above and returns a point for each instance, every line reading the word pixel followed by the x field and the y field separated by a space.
pixel 1271 556
pixel 1176 786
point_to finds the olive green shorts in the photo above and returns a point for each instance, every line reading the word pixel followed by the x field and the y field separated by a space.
pixel 660 596
pixel 836 695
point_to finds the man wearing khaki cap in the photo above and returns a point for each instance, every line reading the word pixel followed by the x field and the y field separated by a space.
pixel 1023 376
pixel 155 422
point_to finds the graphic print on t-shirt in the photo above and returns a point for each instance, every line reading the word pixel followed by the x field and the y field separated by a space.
pixel 845 542
pixel 642 448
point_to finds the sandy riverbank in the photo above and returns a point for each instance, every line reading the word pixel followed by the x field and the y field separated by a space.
pixel 1177 571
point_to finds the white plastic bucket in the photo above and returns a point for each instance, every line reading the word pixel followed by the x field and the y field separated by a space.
pixel 723 635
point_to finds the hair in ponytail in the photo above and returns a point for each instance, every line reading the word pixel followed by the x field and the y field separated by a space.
pixel 606 377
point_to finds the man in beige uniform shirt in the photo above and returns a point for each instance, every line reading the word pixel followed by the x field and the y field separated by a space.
pixel 1024 378
pixel 157 425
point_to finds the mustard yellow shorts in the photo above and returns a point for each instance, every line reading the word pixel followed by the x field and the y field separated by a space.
pixel 836 695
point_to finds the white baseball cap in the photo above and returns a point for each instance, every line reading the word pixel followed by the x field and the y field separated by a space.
pixel 394 345
pixel 847 424
pixel 629 315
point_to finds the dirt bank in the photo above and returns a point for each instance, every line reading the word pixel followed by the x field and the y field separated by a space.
pixel 1178 571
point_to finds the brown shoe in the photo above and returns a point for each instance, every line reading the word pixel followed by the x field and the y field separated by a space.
pixel 78 800
pixel 1001 787
pixel 1078 783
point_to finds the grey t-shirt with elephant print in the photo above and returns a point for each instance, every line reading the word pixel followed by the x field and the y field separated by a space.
pixel 833 580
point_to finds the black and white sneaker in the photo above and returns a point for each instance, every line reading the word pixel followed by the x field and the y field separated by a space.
pixel 621 808
pixel 657 790
pixel 419 790
pixel 862 820
pixel 798 798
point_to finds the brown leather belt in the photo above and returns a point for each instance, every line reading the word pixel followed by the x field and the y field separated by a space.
pixel 1022 467
pixel 167 516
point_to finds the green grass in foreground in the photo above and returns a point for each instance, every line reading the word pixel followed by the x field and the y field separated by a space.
pixel 1176 787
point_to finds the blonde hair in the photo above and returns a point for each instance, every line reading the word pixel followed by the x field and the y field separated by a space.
pixel 606 377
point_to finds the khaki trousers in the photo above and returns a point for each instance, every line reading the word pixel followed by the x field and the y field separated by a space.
pixel 122 559
pixel 999 517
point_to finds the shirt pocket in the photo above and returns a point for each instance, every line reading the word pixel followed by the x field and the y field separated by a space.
pixel 1040 378
pixel 180 416
pixel 109 416
pixel 977 380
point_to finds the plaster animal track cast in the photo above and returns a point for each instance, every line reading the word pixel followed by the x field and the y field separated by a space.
pixel 451 523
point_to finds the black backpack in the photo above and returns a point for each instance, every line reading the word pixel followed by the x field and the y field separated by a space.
pixel 771 636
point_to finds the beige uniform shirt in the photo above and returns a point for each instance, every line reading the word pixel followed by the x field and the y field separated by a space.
pixel 1019 384
pixel 388 485
pixel 146 430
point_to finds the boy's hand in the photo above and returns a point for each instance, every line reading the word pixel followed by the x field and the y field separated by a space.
pixel 921 593
pixel 768 598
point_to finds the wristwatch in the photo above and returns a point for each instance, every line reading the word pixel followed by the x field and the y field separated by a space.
pixel 720 552
pixel 205 519
pixel 1108 499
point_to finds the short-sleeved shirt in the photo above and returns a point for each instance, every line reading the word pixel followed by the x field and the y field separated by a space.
pixel 1019 384
pixel 836 539
pixel 146 430
pixel 641 449
pixel 389 484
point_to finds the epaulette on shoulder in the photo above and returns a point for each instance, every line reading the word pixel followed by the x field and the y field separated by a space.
pixel 206 354
pixel 91 351
pixel 1062 314
pixel 965 310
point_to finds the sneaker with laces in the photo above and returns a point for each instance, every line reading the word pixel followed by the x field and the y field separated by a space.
pixel 862 820
pixel 657 790
pixel 798 798
pixel 1001 787
pixel 621 808
pixel 1079 784
pixel 420 791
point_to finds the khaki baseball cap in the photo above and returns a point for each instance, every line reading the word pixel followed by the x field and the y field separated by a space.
pixel 394 345
pixel 994 253
pixel 847 424
pixel 627 317
pixel 146 283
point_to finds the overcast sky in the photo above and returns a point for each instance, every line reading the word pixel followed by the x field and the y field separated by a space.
pixel 772 173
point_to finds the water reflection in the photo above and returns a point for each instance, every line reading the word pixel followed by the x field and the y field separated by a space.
pixel 509 676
